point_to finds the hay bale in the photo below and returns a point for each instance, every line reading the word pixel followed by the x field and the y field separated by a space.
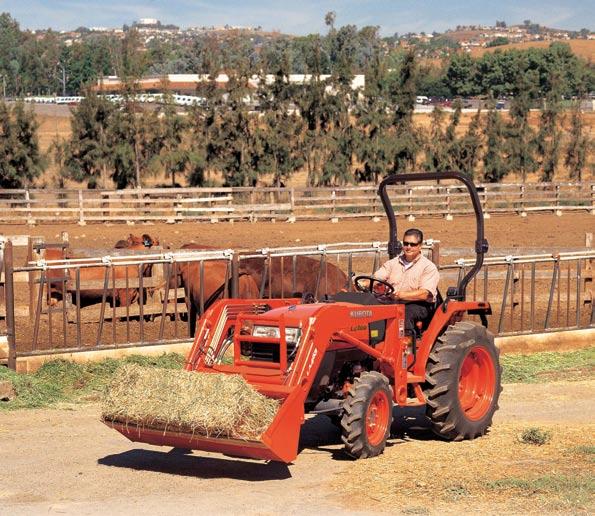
pixel 209 404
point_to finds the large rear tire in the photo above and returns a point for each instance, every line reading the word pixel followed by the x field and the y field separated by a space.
pixel 367 416
pixel 463 382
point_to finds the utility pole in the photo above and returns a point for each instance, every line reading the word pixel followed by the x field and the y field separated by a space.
pixel 63 68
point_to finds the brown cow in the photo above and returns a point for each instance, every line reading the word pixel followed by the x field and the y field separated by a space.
pixel 119 296
pixel 310 276
pixel 136 242
pixel 278 282
pixel 214 283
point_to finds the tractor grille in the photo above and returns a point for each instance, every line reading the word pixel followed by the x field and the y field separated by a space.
pixel 265 352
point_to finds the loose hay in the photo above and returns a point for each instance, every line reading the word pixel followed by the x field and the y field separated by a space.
pixel 209 404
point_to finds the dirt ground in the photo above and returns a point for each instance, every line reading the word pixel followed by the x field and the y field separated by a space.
pixel 502 231
pixel 65 461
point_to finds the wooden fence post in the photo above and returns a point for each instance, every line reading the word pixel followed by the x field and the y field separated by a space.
pixel 81 209
pixel 9 303
pixel 522 200
pixel 588 273
pixel 558 211
pixel 436 254
pixel 30 219
pixel 448 214
pixel 292 203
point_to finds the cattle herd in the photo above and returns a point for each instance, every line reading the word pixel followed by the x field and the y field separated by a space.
pixel 257 276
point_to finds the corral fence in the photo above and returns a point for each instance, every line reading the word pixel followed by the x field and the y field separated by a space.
pixel 528 294
pixel 126 300
pixel 173 205
pixel 534 293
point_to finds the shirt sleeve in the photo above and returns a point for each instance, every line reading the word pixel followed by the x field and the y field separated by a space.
pixel 384 272
pixel 429 279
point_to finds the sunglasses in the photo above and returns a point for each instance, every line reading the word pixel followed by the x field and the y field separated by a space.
pixel 411 244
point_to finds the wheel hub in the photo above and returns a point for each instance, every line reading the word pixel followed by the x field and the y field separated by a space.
pixel 377 418
pixel 477 383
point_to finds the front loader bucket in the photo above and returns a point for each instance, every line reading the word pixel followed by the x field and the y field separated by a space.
pixel 278 443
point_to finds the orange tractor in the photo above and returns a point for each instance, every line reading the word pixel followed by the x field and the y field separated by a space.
pixel 350 358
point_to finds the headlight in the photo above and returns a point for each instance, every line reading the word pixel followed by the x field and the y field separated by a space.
pixel 292 335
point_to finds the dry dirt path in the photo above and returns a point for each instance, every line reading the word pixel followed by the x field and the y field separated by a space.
pixel 502 231
pixel 64 461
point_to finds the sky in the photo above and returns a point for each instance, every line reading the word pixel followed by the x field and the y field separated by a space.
pixel 303 16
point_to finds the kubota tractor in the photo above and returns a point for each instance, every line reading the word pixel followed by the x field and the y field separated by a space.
pixel 350 358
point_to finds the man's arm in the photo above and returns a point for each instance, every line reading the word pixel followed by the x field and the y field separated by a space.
pixel 412 295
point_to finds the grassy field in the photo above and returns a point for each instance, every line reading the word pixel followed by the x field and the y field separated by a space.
pixel 546 367
pixel 60 381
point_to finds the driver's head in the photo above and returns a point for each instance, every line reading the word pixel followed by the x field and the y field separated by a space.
pixel 412 241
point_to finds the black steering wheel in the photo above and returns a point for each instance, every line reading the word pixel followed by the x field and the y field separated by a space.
pixel 378 287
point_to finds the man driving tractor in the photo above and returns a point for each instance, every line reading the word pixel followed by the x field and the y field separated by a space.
pixel 414 278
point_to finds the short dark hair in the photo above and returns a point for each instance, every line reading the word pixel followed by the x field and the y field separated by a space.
pixel 414 232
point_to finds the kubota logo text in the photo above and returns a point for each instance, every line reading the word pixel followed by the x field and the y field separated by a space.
pixel 360 313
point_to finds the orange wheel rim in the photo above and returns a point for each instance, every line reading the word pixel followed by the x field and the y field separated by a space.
pixel 477 383
pixel 377 418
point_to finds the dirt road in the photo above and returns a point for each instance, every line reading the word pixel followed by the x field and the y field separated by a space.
pixel 502 231
pixel 64 461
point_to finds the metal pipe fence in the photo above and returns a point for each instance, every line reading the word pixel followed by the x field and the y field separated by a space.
pixel 117 301
pixel 534 293
pixel 124 300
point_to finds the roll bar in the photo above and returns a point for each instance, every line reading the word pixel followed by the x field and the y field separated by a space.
pixel 395 246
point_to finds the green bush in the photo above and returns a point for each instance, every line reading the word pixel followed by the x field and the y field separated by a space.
pixel 535 435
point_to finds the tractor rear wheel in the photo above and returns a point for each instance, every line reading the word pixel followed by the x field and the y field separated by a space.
pixel 463 382
pixel 367 415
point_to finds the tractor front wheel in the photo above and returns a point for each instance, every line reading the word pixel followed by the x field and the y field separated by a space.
pixel 367 415
pixel 463 382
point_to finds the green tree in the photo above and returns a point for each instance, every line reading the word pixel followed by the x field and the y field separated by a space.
pixel 136 140
pixel 402 91
pixel 20 158
pixel 494 163
pixel 174 156
pixel 281 128
pixel 234 146
pixel 436 148
pixel 497 42
pixel 59 149
pixel 579 145
pixel 11 40
pixel 374 123
pixel 520 143
pixel 466 151
pixel 89 154
pixel 549 136
pixel 461 75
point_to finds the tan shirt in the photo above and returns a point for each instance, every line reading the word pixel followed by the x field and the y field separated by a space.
pixel 404 275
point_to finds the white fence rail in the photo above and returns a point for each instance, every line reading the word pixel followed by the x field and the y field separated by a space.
pixel 220 204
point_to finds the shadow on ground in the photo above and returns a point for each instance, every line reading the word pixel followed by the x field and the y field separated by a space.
pixel 317 434
pixel 178 462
